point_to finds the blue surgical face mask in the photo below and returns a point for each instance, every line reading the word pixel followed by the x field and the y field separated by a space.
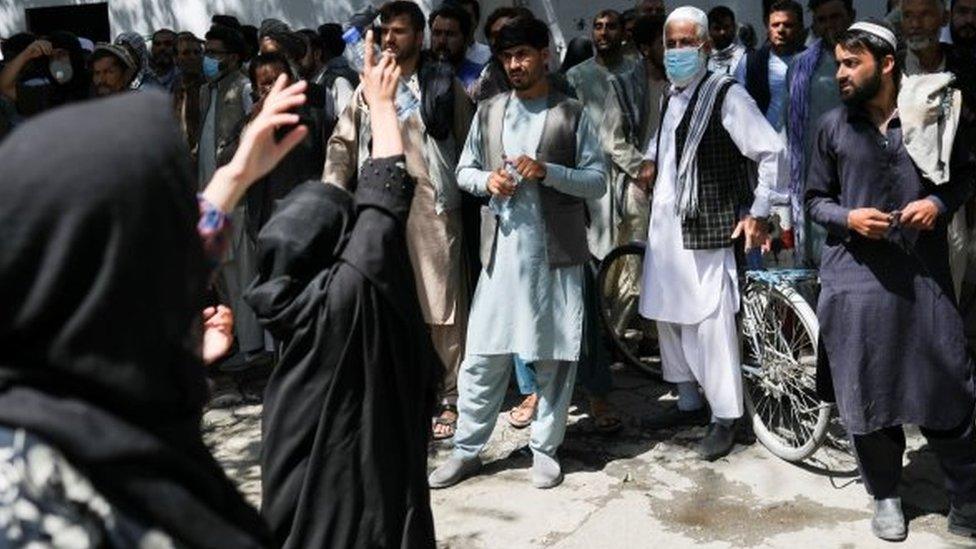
pixel 683 64
pixel 211 67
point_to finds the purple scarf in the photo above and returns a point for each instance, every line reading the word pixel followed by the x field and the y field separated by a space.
pixel 799 119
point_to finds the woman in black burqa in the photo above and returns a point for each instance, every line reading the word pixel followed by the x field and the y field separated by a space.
pixel 102 279
pixel 347 411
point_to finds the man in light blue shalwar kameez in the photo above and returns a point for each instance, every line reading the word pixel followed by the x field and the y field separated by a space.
pixel 529 299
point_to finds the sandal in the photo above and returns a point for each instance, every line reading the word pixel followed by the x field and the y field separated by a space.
pixel 605 418
pixel 522 415
pixel 450 423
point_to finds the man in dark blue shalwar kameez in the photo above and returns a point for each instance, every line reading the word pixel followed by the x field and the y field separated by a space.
pixel 891 335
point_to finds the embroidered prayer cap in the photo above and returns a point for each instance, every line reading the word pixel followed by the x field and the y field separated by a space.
pixel 119 52
pixel 692 14
pixel 876 30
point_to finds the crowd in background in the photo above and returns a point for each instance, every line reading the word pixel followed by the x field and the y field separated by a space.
pixel 528 171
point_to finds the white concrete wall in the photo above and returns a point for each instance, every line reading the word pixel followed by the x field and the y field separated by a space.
pixel 567 18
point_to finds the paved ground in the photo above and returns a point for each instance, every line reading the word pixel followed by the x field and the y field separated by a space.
pixel 644 489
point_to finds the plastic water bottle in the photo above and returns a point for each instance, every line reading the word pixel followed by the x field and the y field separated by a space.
pixel 406 102
pixel 354 35
pixel 501 205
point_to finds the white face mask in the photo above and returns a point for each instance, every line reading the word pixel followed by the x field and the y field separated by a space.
pixel 61 71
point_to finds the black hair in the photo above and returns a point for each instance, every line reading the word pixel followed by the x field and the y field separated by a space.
pixel 331 39
pixel 814 5
pixel 450 11
pixel 250 34
pixel 269 59
pixel 312 39
pixel 292 44
pixel 747 35
pixel 187 35
pixel 608 13
pixel 627 16
pixel 720 13
pixel 397 8
pixel 857 41
pixel 474 4
pixel 230 38
pixel 226 20
pixel 505 12
pixel 272 26
pixel 647 30
pixel 522 31
pixel 161 31
pixel 787 5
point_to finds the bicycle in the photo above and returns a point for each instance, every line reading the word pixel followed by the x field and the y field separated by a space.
pixel 633 337
pixel 779 333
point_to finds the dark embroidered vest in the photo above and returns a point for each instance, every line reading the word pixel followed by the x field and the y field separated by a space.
pixel 725 179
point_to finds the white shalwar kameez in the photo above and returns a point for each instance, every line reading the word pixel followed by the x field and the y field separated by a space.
pixel 693 294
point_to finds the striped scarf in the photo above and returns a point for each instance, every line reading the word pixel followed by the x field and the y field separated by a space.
pixel 799 119
pixel 687 181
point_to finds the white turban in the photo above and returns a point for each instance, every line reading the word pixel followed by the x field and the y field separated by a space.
pixel 689 13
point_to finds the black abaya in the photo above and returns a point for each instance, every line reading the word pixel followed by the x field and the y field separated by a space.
pixel 347 411
pixel 102 281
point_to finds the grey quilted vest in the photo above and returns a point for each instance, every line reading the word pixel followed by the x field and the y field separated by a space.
pixel 563 215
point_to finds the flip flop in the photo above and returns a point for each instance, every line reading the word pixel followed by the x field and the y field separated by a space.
pixel 520 423
pixel 441 420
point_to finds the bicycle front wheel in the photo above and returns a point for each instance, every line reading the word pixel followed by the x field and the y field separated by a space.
pixel 780 332
pixel 619 283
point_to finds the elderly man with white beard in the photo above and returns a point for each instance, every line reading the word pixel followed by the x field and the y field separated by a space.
pixel 712 136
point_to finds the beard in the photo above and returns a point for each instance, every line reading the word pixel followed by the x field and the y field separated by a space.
pixel 919 43
pixel 402 54
pixel 445 54
pixel 164 60
pixel 863 93
pixel 521 80
pixel 719 46
pixel 609 48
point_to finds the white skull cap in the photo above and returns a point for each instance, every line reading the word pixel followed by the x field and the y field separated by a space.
pixel 688 13
pixel 877 30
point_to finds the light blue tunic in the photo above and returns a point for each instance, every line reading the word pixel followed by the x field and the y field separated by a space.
pixel 524 307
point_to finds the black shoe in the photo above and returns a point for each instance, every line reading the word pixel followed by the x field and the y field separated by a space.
pixel 676 417
pixel 718 442
pixel 888 522
pixel 962 520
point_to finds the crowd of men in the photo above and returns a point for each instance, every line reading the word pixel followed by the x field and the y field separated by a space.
pixel 853 139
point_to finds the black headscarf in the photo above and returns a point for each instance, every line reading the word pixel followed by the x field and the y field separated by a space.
pixel 437 91
pixel 102 281
pixel 79 87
